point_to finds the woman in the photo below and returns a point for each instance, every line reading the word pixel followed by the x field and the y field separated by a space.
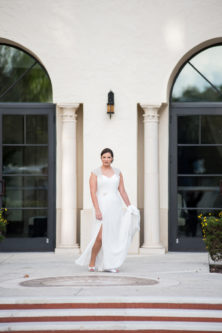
pixel 114 227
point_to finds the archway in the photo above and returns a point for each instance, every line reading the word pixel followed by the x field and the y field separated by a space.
pixel 27 151
pixel 195 147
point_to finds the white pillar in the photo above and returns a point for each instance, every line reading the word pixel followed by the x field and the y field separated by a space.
pixel 68 227
pixel 151 182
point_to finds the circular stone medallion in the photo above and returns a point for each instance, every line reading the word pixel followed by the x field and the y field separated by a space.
pixel 88 281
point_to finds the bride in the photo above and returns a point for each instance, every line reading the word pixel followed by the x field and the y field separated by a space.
pixel 115 227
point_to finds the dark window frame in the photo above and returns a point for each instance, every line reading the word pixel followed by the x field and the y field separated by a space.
pixel 183 109
pixel 38 243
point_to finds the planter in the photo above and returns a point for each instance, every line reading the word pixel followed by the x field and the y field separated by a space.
pixel 215 266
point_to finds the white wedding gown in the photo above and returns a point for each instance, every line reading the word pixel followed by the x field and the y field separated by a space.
pixel 119 224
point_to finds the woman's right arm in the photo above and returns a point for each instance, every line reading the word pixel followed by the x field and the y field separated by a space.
pixel 93 190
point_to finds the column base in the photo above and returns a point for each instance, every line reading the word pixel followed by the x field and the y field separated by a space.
pixel 155 249
pixel 67 250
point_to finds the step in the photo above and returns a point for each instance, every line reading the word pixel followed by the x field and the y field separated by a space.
pixel 110 317
pixel 102 303
pixel 111 326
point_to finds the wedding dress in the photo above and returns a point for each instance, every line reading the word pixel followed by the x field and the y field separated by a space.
pixel 118 224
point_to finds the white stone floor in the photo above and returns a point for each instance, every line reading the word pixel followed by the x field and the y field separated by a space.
pixel 182 277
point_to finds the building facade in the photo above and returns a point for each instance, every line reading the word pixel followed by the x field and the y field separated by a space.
pixel 58 61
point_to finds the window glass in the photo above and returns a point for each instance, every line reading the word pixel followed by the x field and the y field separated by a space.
pixel 22 78
pixel 25 198
pixel 37 129
pixel 201 198
pixel 188 129
pixel 191 86
pixel 13 129
pixel 25 160
pixel 27 223
pixel 200 182
pixel 211 129
pixel 200 160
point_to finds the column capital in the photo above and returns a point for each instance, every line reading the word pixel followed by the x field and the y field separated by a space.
pixel 67 111
pixel 151 112
pixel 68 105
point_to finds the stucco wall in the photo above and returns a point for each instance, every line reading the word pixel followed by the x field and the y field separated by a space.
pixel 130 46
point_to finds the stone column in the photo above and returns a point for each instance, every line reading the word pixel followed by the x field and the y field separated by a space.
pixel 151 182
pixel 68 223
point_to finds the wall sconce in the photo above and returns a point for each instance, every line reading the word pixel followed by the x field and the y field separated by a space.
pixel 110 104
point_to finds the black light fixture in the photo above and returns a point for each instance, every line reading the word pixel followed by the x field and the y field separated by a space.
pixel 110 104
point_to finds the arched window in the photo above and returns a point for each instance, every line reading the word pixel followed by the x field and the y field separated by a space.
pixel 195 148
pixel 200 78
pixel 22 77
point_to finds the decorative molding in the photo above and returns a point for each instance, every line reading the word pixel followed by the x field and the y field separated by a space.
pixel 151 116
pixel 68 115
pixel 151 112
pixel 68 105
pixel 150 106
pixel 67 111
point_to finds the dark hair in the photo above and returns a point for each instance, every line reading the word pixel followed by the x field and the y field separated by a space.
pixel 107 150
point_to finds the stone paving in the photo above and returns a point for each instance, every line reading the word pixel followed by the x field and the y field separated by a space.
pixel 176 276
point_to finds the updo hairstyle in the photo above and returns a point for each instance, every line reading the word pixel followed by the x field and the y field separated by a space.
pixel 107 150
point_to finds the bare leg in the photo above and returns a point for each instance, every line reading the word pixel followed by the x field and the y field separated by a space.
pixel 96 247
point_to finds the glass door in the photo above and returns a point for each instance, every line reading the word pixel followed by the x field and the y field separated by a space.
pixel 196 172
pixel 27 175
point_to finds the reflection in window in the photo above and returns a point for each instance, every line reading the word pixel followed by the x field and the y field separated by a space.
pixel 22 78
pixel 27 223
pixel 211 129
pixel 200 160
pixel 188 129
pixel 201 78
pixel 188 223
pixel 25 160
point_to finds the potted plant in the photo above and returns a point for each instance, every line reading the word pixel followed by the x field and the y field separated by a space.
pixel 212 236
pixel 3 222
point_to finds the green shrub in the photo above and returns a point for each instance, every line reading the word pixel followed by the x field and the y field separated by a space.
pixel 3 222
pixel 212 234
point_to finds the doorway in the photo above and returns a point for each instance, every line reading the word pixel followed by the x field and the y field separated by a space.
pixel 195 149
pixel 195 171
pixel 27 175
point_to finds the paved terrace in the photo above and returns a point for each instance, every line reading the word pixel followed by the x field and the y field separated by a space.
pixel 173 276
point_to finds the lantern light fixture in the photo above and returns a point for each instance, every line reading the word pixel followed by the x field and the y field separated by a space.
pixel 110 104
